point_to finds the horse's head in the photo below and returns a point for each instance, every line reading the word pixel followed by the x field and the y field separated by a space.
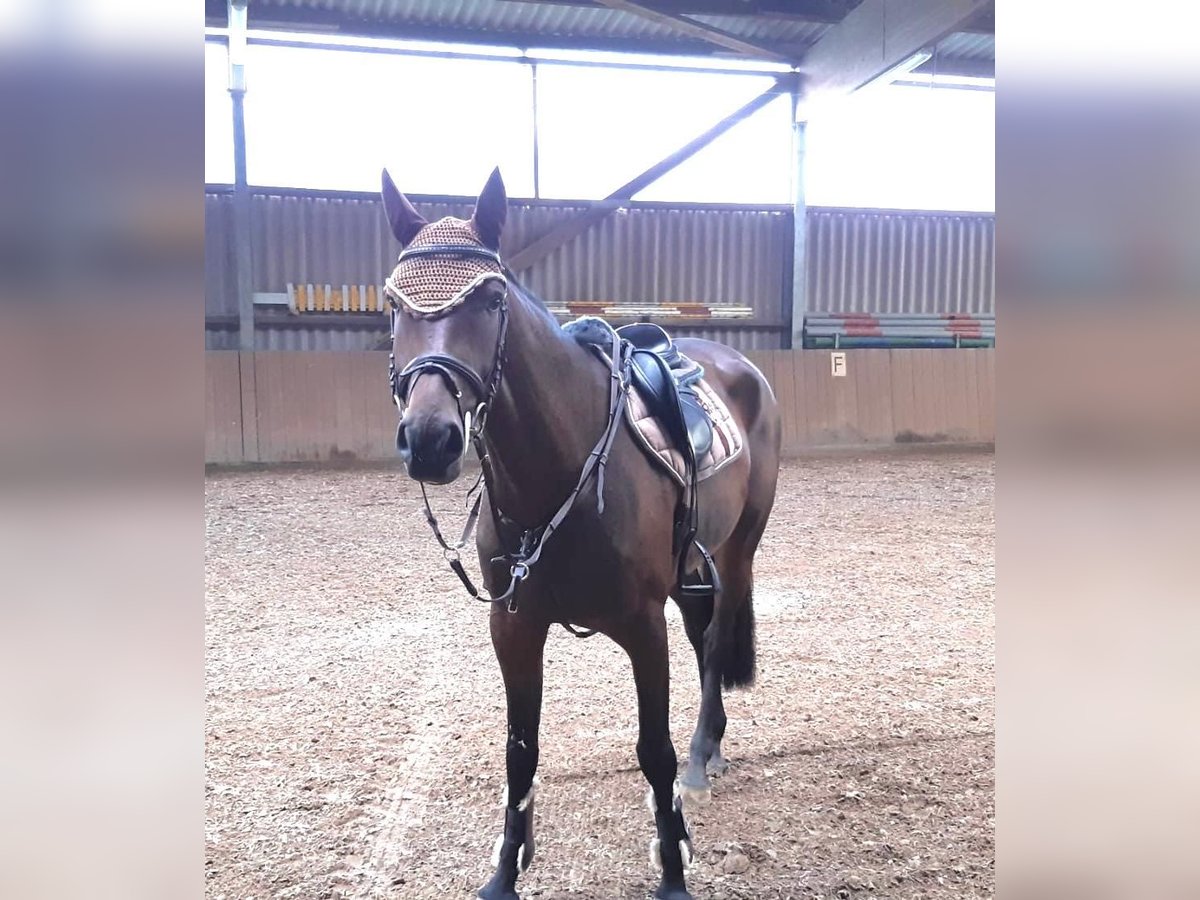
pixel 450 314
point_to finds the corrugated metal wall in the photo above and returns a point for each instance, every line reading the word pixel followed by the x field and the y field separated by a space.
pixel 676 255
pixel 859 260
pixel 220 288
pixel 316 336
pixel 639 255
pixel 891 262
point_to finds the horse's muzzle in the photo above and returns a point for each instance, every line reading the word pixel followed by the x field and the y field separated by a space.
pixel 432 448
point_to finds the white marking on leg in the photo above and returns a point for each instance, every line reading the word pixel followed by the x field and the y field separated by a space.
pixel 522 862
pixel 685 854
pixel 651 803
pixel 656 854
pixel 524 804
pixel 496 851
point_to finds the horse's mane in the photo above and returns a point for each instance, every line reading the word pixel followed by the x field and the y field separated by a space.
pixel 536 303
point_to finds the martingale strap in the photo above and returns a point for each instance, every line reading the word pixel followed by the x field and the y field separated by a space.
pixel 533 540
pixel 451 552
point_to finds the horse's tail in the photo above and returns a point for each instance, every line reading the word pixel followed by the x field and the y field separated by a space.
pixel 740 663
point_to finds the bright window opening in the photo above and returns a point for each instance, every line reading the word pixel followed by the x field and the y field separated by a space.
pixel 904 148
pixel 598 128
pixel 331 119
pixel 218 117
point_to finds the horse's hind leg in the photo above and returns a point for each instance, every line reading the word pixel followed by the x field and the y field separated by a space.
pixel 519 645
pixel 645 640
pixel 697 613
pixel 728 656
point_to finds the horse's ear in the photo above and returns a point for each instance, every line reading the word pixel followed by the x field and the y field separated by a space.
pixel 491 209
pixel 404 220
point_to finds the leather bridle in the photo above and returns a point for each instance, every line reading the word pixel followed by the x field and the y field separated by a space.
pixel 444 364
pixel 532 540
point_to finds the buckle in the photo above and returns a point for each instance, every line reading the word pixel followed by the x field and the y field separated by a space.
pixel 480 417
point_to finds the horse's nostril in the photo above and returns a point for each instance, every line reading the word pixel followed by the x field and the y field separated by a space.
pixel 454 443
pixel 429 446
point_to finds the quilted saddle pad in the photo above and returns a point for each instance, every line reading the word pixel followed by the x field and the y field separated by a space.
pixel 652 436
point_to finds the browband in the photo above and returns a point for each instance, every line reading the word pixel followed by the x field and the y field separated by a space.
pixel 451 250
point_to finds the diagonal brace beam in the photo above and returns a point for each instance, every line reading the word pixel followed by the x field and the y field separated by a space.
pixel 556 237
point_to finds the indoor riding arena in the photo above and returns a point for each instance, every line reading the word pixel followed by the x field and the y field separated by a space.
pixel 808 182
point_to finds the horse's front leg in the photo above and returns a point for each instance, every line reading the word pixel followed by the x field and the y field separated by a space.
pixel 645 641
pixel 519 643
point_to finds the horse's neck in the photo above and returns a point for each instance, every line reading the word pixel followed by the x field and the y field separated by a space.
pixel 547 416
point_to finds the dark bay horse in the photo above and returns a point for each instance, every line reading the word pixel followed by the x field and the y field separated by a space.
pixel 478 360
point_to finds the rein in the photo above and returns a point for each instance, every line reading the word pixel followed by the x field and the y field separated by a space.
pixel 532 540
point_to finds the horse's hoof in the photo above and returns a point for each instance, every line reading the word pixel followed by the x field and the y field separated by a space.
pixel 498 890
pixel 672 892
pixel 695 790
pixel 717 765
pixel 694 786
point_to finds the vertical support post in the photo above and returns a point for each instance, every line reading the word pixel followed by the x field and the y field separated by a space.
pixel 537 188
pixel 799 229
pixel 242 255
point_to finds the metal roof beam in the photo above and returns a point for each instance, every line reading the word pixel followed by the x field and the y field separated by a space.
pixel 950 65
pixel 822 11
pixel 321 22
pixel 877 36
pixel 695 29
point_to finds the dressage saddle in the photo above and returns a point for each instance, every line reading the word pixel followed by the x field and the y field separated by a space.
pixel 665 378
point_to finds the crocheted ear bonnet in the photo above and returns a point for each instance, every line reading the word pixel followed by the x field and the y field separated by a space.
pixel 431 286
